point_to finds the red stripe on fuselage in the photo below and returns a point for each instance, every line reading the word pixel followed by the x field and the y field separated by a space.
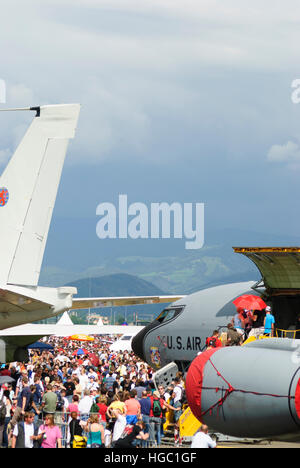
pixel 297 399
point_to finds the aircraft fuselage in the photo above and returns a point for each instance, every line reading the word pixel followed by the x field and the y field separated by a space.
pixel 180 332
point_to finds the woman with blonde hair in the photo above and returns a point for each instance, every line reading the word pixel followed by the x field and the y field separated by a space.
pixel 102 405
pixel 95 432
pixel 117 404
pixel 50 433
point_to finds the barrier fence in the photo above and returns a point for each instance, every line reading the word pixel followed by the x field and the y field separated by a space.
pixel 62 420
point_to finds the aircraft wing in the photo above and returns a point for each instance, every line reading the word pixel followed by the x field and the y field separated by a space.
pixel 40 330
pixel 90 303
pixel 22 336
pixel 13 302
pixel 26 334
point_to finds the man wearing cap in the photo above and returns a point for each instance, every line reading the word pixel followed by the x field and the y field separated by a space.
pixel 92 384
pixel 269 322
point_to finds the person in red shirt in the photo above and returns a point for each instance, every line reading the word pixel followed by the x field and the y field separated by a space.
pixel 102 405
pixel 158 404
pixel 214 341
pixel 156 414
pixel 5 371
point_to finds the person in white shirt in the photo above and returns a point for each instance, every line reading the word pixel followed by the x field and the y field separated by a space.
pixel 123 370
pixel 177 390
pixel 85 404
pixel 83 379
pixel 119 426
pixel 92 384
pixel 202 440
pixel 65 400
pixel 28 435
pixel 92 373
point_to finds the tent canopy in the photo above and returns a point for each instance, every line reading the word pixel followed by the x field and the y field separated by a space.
pixel 39 345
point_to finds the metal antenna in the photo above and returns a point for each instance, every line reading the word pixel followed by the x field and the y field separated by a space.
pixel 36 109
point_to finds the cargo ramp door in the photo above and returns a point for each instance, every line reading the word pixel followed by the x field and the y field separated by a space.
pixel 280 282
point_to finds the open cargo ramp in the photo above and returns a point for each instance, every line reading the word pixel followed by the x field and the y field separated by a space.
pixel 280 271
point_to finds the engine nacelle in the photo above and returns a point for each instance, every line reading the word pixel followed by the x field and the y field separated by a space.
pixel 11 352
pixel 250 391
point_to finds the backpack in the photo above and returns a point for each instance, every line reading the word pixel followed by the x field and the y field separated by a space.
pixel 2 411
pixel 79 442
pixel 94 408
pixel 157 410
pixel 60 402
pixel 212 342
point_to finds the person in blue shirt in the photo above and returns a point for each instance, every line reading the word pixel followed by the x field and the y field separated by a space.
pixel 269 322
pixel 145 403
pixel 238 321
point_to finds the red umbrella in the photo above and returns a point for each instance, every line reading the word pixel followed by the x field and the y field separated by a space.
pixel 94 359
pixel 248 301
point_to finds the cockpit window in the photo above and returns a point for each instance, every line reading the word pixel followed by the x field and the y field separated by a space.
pixel 169 314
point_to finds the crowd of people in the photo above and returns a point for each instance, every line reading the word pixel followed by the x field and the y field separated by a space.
pixel 69 396
pixel 244 324
pixel 85 397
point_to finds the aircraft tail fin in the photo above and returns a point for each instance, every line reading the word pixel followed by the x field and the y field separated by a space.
pixel 28 189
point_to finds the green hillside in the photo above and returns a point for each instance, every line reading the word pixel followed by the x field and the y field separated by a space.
pixel 120 284
pixel 141 275
pixel 117 285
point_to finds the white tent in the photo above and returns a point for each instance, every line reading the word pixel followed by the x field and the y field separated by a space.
pixel 65 320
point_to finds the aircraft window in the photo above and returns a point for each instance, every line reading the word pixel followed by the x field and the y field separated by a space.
pixel 125 338
pixel 168 314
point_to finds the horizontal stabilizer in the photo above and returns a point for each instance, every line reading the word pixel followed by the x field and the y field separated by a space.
pixel 90 303
pixel 12 303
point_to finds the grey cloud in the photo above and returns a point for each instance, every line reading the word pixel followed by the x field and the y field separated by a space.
pixel 288 153
pixel 197 89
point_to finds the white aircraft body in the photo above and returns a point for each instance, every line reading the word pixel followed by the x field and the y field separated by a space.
pixel 125 342
pixel 28 190
pixel 40 330
pixel 32 332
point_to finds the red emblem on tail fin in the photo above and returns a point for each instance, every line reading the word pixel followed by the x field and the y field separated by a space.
pixel 4 196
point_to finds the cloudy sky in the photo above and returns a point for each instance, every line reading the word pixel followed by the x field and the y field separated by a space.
pixel 181 101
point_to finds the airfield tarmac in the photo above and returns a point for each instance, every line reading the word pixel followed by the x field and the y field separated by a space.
pixel 260 445
pixel 242 444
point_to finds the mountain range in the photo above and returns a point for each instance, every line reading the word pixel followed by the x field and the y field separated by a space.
pixel 156 270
